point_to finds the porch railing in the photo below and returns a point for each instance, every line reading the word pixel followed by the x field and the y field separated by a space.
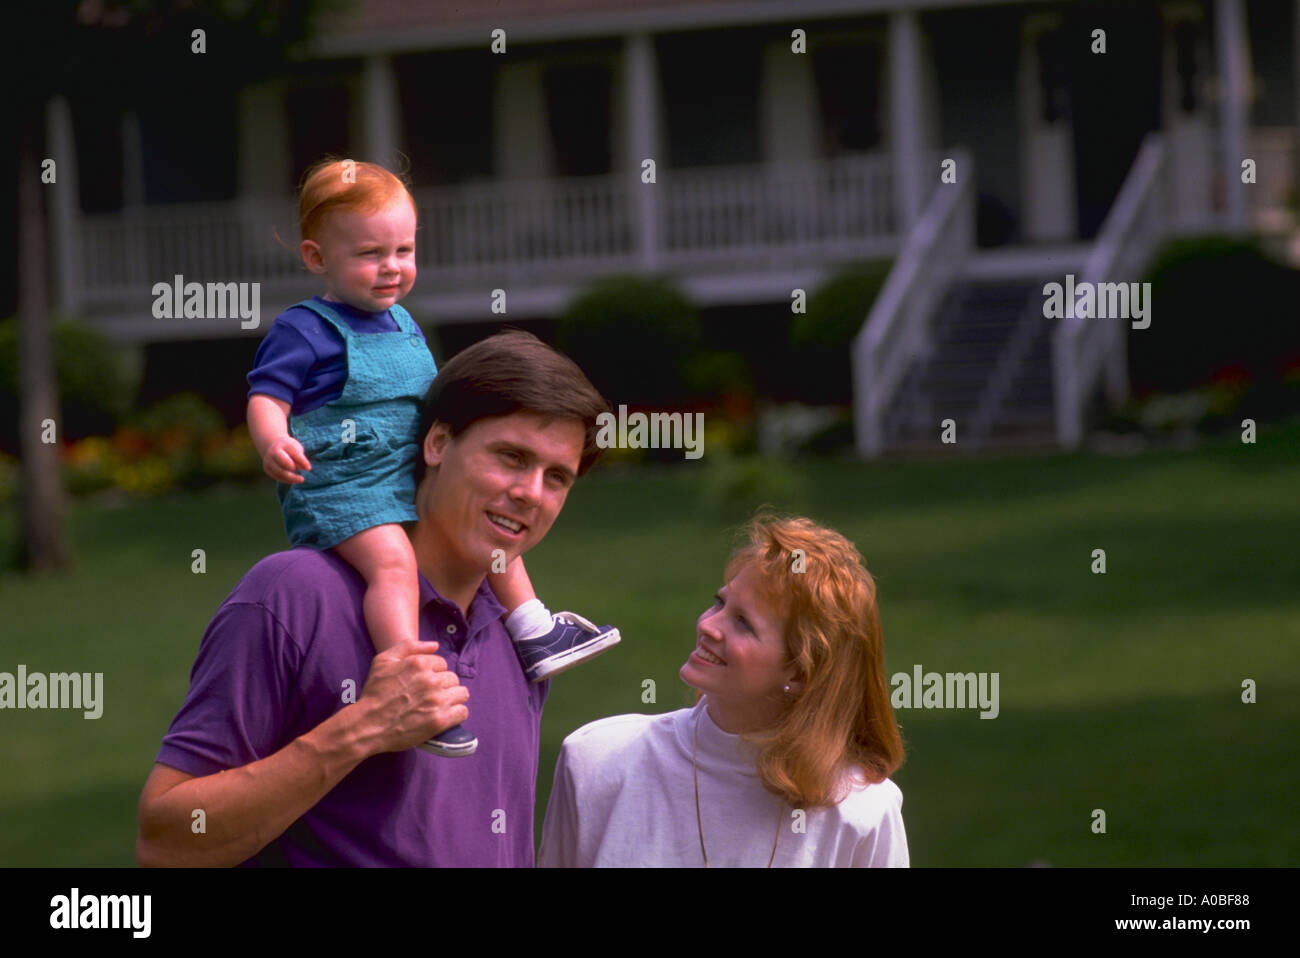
pixel 563 229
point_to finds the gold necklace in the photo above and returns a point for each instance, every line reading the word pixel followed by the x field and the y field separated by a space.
pixel 699 823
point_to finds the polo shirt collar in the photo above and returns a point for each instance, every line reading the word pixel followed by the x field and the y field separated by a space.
pixel 484 608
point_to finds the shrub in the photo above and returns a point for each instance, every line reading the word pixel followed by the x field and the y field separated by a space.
pixel 174 431
pixel 1215 302
pixel 821 340
pixel 96 380
pixel 634 336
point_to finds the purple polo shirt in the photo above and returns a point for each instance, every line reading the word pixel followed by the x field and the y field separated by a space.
pixel 282 654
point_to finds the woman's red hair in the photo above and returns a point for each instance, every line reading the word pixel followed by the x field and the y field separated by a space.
pixel 841 718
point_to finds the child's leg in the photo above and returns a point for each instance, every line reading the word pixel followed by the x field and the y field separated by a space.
pixel 547 644
pixel 529 618
pixel 513 587
pixel 384 557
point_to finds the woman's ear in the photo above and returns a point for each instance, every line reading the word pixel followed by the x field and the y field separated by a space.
pixel 793 683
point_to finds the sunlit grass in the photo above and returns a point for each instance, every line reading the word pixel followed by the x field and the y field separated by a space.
pixel 1119 691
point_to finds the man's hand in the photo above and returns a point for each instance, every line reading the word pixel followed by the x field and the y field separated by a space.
pixel 410 696
pixel 284 456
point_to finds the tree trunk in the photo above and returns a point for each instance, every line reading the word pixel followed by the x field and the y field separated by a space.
pixel 45 546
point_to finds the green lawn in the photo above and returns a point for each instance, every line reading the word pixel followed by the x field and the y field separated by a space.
pixel 1119 691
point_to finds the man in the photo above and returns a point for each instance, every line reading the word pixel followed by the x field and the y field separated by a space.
pixel 295 743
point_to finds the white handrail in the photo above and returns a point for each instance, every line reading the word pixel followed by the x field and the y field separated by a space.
pixel 896 332
pixel 1081 346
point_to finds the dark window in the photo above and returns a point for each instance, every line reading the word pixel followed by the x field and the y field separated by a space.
pixel 848 88
pixel 189 143
pixel 1053 76
pixel 97 129
pixel 710 90
pixel 318 121
pixel 1185 46
pixel 446 115
pixel 578 108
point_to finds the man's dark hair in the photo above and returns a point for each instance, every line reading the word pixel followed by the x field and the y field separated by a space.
pixel 511 372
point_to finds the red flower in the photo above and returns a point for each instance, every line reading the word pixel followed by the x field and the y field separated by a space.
pixel 1233 374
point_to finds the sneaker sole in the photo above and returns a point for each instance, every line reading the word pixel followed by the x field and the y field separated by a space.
pixel 574 656
pixel 453 751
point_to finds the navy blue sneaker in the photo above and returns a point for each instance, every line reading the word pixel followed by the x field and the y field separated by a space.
pixel 455 742
pixel 572 641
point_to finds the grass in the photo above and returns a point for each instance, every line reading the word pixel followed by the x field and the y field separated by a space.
pixel 1119 692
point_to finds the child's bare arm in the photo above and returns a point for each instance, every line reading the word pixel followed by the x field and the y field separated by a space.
pixel 268 425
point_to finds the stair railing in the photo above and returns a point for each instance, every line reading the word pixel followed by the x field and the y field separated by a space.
pixel 1083 347
pixel 897 330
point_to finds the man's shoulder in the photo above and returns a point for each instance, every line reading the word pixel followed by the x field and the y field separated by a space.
pixel 300 574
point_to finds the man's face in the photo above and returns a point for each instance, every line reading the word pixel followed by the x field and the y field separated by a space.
pixel 499 485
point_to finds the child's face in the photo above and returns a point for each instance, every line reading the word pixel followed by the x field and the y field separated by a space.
pixel 367 259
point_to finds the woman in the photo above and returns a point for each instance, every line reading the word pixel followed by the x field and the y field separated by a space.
pixel 785 758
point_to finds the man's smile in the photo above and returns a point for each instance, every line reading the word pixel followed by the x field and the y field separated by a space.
pixel 512 526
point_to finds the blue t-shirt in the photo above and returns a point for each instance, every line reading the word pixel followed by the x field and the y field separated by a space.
pixel 303 360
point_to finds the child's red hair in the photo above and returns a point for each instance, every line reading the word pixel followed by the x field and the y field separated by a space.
pixel 333 186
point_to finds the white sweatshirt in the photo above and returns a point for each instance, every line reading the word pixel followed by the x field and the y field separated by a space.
pixel 624 796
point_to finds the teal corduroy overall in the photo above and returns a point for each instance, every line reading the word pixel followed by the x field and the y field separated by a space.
pixel 368 481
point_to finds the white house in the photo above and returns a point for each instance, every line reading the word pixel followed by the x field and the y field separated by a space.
pixel 745 147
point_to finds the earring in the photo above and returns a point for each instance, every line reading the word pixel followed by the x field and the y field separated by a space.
pixel 787 688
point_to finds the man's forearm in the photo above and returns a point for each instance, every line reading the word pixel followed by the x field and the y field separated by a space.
pixel 246 808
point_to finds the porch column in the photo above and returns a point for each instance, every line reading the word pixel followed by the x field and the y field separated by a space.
pixel 132 161
pixel 905 103
pixel 264 163
pixel 521 139
pixel 1232 46
pixel 641 110
pixel 791 115
pixel 380 132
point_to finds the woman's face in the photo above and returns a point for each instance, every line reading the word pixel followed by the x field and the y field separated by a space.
pixel 739 660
